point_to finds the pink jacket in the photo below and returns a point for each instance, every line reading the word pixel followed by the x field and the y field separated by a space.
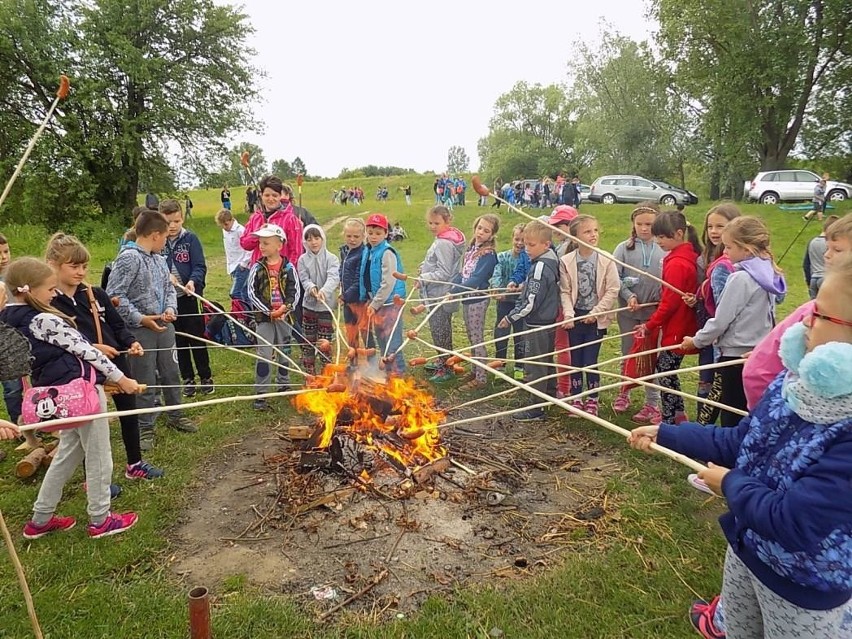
pixel 607 285
pixel 287 219
pixel 764 363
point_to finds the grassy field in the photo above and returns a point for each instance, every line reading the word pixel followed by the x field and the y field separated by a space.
pixel 640 585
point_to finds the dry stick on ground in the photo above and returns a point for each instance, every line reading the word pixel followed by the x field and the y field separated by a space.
pixel 683 459
pixel 585 393
pixel 483 190
pixel 162 409
pixel 22 578
pixel 375 582
pixel 245 328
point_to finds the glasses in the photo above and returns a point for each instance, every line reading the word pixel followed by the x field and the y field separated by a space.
pixel 834 320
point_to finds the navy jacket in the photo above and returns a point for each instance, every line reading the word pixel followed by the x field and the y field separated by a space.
pixel 350 277
pixel 114 331
pixel 790 518
pixel 186 255
pixel 479 279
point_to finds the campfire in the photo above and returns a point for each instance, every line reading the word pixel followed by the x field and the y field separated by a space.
pixel 366 425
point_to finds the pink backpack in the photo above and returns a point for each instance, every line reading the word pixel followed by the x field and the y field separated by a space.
pixel 77 398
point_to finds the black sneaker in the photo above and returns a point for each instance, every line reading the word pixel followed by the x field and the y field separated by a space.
pixel 182 424
pixel 146 439
pixel 260 404
pixel 189 388
pixel 531 415
pixel 207 387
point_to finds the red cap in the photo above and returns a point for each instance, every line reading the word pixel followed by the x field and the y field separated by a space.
pixel 562 214
pixel 377 219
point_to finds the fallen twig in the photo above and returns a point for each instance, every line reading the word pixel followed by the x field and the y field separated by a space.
pixel 376 581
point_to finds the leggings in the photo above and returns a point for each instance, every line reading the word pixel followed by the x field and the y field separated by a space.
pixel 753 611
pixel 733 392
pixel 474 321
pixel 441 327
pixel 587 355
pixel 317 325
pixel 671 404
pixel 502 346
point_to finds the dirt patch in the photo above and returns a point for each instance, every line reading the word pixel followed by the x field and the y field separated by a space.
pixel 526 493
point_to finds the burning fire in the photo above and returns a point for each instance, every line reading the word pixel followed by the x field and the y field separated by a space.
pixel 394 419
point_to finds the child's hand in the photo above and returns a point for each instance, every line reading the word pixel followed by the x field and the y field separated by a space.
pixel 633 303
pixel 278 313
pixel 169 316
pixel 590 320
pixel 512 286
pixel 713 477
pixel 568 325
pixel 689 299
pixel 8 430
pixel 190 286
pixel 136 350
pixel 128 386
pixel 504 323
pixel 641 332
pixel 641 438
pixel 107 350
pixel 746 355
pixel 687 344
pixel 150 322
pixel 174 280
pixel 371 312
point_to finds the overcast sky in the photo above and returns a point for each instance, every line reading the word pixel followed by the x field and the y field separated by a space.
pixel 397 83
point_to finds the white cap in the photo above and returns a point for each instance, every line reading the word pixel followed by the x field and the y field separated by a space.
pixel 270 230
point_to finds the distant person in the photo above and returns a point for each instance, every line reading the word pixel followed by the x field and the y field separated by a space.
pixel 818 207
pixel 814 262
pixel 498 185
pixel 225 197
pixel 152 201
pixel 187 206
pixel 407 191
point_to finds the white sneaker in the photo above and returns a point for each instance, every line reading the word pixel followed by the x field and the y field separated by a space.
pixel 699 484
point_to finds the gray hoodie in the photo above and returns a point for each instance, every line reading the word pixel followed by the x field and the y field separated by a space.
pixel 442 263
pixel 321 271
pixel 745 313
pixel 140 280
pixel 647 257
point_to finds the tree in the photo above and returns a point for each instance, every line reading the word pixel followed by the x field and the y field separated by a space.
pixel 299 167
pixel 457 160
pixel 144 76
pixel 282 169
pixel 532 133
pixel 754 69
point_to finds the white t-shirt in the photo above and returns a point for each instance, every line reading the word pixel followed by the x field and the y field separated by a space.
pixel 235 255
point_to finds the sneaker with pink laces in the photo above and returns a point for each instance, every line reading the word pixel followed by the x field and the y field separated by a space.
pixel 621 403
pixel 648 414
pixel 591 407
pixel 699 484
pixel 33 530
pixel 578 404
pixel 113 525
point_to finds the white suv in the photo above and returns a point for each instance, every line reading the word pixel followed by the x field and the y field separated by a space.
pixel 793 185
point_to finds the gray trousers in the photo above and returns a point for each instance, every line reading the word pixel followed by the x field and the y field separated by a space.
pixel 628 321
pixel 156 367
pixel 277 333
pixel 539 348
pixel 89 442
pixel 753 611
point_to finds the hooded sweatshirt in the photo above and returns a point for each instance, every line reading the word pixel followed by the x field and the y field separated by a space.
pixel 290 223
pixel 673 316
pixel 321 271
pixel 647 256
pixel 746 310
pixel 140 280
pixel 478 268
pixel 442 263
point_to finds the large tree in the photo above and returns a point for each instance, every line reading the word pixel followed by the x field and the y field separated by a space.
pixel 148 79
pixel 457 160
pixel 754 68
pixel 532 132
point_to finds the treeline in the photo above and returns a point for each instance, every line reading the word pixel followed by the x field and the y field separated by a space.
pixel 371 170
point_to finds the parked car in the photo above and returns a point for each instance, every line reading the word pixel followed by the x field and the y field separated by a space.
pixel 610 189
pixel 692 197
pixel 793 185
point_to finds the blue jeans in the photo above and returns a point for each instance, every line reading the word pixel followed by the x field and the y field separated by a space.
pixel 13 395
pixel 587 355
pixel 239 278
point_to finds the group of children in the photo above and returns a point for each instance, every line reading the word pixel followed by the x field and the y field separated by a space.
pixel 788 564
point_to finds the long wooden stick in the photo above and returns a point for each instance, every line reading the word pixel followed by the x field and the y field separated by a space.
pixel 338 332
pixel 479 187
pixel 22 578
pixel 240 351
pixel 61 94
pixel 164 409
pixel 398 318
pixel 683 459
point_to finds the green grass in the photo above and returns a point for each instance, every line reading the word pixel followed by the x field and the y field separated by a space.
pixel 630 586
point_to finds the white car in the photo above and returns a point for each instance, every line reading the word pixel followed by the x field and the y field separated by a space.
pixel 791 185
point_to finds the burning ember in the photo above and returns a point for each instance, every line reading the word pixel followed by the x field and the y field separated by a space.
pixel 366 424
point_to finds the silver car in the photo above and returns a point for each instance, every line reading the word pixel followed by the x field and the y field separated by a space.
pixel 610 189
pixel 793 185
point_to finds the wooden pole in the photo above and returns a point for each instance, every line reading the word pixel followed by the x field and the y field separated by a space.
pixel 22 578
pixel 683 459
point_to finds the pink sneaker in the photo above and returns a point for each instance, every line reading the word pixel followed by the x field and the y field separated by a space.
pixel 34 531
pixel 113 525
pixel 621 403
pixel 648 414
pixel 591 407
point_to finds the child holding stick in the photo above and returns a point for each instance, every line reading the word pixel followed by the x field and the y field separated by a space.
pixel 507 261
pixel 353 252
pixel 589 284
pixel 642 252
pixel 477 269
pixel 319 274
pixel 60 353
pixel 673 318
pixel 781 470
pixel 441 264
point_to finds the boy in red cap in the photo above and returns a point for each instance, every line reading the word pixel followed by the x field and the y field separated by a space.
pixel 379 286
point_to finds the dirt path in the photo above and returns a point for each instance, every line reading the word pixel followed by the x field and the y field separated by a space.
pixel 337 220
